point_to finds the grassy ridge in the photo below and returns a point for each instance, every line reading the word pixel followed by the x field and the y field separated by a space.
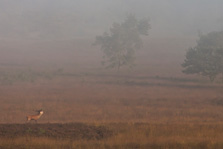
pixel 135 135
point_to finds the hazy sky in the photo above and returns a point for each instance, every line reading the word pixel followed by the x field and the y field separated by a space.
pixel 69 19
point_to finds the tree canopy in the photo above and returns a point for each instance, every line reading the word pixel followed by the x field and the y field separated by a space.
pixel 120 44
pixel 206 58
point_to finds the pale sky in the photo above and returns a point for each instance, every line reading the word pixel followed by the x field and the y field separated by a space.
pixel 69 19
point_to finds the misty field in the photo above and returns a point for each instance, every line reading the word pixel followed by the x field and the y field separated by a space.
pixel 157 94
pixel 153 105
pixel 112 111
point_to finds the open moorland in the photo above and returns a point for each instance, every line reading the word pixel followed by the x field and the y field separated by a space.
pixel 153 105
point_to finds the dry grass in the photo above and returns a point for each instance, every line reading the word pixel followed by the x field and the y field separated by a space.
pixel 109 99
pixel 143 112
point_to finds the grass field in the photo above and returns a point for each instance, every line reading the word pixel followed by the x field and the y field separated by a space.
pixel 136 112
pixel 152 106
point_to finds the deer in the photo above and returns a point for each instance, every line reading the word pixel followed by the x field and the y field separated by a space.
pixel 35 117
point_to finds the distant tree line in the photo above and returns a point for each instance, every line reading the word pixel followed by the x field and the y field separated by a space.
pixel 206 58
pixel 120 44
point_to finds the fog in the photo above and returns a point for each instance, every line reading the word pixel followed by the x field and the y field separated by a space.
pixel 70 19
pixel 62 31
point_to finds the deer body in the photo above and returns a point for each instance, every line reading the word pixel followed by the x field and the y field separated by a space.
pixel 35 117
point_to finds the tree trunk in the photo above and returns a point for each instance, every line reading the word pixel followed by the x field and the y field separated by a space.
pixel 222 77
pixel 119 64
pixel 212 77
